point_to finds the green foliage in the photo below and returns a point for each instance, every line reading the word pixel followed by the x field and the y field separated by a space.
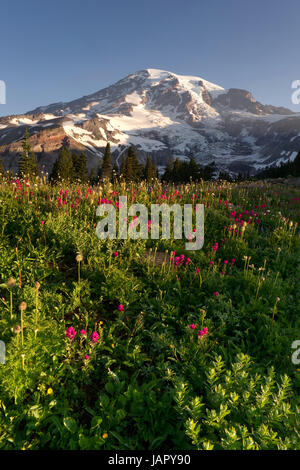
pixel 63 168
pixel 183 171
pixel 239 409
pixel 106 167
pixel 79 167
pixel 148 379
pixel 28 166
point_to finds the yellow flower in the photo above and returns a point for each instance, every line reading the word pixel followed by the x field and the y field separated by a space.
pixel 105 435
pixel 49 391
pixel 112 345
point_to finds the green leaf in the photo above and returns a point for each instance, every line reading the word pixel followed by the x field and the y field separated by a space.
pixel 70 424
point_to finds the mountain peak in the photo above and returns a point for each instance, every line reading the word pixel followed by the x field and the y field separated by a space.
pixel 162 114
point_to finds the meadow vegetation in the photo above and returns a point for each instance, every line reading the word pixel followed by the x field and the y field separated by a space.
pixel 122 344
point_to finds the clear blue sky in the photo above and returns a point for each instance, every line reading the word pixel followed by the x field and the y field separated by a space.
pixel 61 50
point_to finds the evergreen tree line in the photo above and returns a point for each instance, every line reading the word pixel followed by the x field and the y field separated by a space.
pixel 282 171
pixel 179 171
pixel 130 169
pixel 70 166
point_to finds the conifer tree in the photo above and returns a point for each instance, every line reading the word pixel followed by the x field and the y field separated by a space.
pixel 79 167
pixel 169 170
pixel 148 173
pixel 63 167
pixel 155 169
pixel 129 168
pixel 24 160
pixel 92 176
pixel 106 168
pixel 28 165
pixel 33 165
pixel 135 167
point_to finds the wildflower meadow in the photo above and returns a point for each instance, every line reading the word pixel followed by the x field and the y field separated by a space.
pixel 142 344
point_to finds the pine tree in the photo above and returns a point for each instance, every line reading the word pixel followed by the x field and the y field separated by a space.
pixel 177 171
pixel 106 168
pixel 79 167
pixel 24 160
pixel 169 170
pixel 149 173
pixel 63 167
pixel 33 165
pixel 137 167
pixel 92 176
pixel 129 168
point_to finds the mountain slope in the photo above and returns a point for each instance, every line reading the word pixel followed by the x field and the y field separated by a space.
pixel 162 114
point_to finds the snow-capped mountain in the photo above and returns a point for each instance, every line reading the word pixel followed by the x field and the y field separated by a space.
pixel 162 114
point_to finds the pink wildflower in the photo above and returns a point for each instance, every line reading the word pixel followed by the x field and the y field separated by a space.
pixel 71 333
pixel 95 337
pixel 203 332
pixel 192 326
pixel 121 308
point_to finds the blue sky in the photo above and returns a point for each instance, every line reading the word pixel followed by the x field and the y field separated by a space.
pixel 61 50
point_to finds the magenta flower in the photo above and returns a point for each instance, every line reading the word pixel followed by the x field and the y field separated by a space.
pixel 71 333
pixel 203 332
pixel 42 222
pixel 82 332
pixel 95 337
pixel 216 294
pixel 116 253
pixel 121 308
pixel 192 326
pixel 86 357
